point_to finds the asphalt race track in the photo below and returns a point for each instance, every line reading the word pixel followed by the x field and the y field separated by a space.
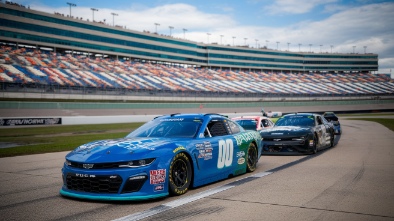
pixel 352 181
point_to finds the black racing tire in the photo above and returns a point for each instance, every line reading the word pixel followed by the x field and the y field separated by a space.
pixel 180 175
pixel 332 137
pixel 314 148
pixel 253 157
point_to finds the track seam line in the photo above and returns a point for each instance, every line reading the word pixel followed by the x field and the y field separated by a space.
pixel 167 206
pixel 303 207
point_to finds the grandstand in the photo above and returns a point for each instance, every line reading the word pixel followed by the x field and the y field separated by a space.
pixel 50 53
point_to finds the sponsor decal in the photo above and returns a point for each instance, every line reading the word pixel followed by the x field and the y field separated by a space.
pixel 124 143
pixel 157 176
pixel 226 150
pixel 88 165
pixel 241 161
pixel 311 143
pixel 173 119
pixel 204 150
pixel 178 149
pixel 277 139
pixel 84 175
pixel 246 137
pixel 240 154
pixel 276 133
pixel 159 187
pixel 29 121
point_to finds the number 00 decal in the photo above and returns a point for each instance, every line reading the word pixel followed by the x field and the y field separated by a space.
pixel 226 150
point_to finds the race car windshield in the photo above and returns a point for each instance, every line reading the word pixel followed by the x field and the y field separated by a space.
pixel 248 124
pixel 300 121
pixel 168 127
pixel 331 117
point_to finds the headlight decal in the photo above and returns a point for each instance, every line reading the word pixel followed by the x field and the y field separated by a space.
pixel 138 163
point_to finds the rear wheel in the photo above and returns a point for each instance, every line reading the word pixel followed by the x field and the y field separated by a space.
pixel 180 174
pixel 252 158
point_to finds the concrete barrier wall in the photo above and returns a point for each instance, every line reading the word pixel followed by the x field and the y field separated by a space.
pixel 106 119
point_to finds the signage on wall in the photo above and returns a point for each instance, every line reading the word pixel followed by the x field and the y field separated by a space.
pixel 29 121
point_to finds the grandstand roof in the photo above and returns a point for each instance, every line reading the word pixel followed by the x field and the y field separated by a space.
pixel 21 25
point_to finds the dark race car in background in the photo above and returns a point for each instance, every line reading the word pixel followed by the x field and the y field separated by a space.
pixel 165 156
pixel 298 133
pixel 331 117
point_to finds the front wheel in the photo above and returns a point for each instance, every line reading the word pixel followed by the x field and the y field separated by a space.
pixel 252 158
pixel 180 175
pixel 314 148
pixel 332 139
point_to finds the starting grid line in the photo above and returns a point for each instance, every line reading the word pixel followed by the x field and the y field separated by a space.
pixel 189 199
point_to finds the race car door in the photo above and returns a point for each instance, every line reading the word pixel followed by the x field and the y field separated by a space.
pixel 324 135
pixel 216 151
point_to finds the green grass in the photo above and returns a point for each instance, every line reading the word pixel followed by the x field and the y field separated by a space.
pixel 370 114
pixel 37 140
pixel 387 122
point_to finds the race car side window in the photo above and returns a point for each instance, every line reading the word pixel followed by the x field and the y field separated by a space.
pixel 234 128
pixel 319 121
pixel 265 123
pixel 207 133
pixel 217 128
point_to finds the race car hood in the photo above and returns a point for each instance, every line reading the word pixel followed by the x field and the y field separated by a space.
pixel 285 131
pixel 117 149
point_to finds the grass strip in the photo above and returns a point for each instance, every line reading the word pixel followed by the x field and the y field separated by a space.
pixel 59 138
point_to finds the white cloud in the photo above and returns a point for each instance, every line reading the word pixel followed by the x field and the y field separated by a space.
pixel 294 6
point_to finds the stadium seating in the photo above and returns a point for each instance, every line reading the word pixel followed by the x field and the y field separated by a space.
pixel 30 66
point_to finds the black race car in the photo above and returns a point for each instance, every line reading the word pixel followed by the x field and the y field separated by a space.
pixel 298 133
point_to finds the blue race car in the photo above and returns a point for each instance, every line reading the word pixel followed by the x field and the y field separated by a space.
pixel 165 156
pixel 332 118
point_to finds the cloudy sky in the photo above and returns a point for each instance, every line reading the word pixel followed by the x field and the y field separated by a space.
pixel 343 26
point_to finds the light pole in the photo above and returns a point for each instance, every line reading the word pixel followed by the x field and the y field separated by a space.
pixel 256 42
pixel 184 30
pixel 310 47
pixel 354 47
pixel 156 24
pixel 208 34
pixel 288 43
pixel 170 29
pixel 221 36
pixel 299 47
pixel 113 18
pixel 71 4
pixel 277 45
pixel 266 43
pixel 93 10
pixel 320 48
pixel 245 41
pixel 365 49
pixel 331 48
pixel 233 39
